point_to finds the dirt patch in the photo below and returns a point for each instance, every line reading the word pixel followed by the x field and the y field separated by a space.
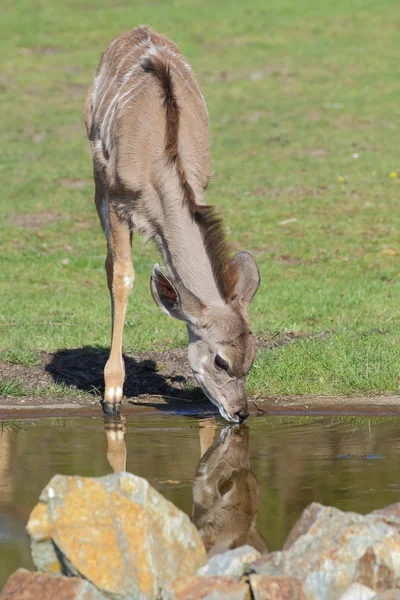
pixel 317 153
pixel 76 90
pixel 152 373
pixel 266 71
pixel 75 184
pixel 276 341
pixel 166 374
pixel 41 51
pixel 259 191
pixel 71 130
pixel 290 191
pixel 30 378
pixel 314 116
pixel 155 381
pixel 352 122
pixel 85 224
pixel 255 116
pixel 31 133
pixel 288 259
pixel 34 220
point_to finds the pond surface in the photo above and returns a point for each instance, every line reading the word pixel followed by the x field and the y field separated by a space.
pixel 257 478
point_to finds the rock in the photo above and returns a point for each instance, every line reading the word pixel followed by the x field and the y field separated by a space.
pixel 389 515
pixel 375 568
pixel 303 524
pixel 388 595
pixel 268 587
pixel 206 588
pixel 25 585
pixel 333 549
pixel 232 563
pixel 357 591
pixel 115 531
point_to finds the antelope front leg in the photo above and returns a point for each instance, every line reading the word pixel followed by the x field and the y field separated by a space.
pixel 116 446
pixel 120 277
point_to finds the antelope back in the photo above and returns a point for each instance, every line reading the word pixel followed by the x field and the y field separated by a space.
pixel 132 122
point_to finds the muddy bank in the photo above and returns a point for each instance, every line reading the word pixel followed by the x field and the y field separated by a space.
pixel 43 406
pixel 164 373
pixel 156 381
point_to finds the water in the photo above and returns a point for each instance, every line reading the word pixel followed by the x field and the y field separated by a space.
pixel 274 467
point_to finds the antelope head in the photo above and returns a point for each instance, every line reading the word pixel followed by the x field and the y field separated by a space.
pixel 221 346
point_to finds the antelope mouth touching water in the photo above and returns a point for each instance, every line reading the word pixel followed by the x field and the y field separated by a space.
pixel 146 120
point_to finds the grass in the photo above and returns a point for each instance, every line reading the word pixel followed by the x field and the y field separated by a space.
pixel 11 388
pixel 14 388
pixel 304 122
pixel 345 363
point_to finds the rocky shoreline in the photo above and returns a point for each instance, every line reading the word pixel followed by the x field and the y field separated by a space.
pixel 116 537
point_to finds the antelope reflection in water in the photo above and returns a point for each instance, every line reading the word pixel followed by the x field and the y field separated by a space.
pixel 226 493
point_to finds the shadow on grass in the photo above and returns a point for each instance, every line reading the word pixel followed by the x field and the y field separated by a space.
pixel 83 368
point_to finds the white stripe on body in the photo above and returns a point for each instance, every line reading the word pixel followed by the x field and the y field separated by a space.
pixel 109 118
pixel 97 109
pixel 123 96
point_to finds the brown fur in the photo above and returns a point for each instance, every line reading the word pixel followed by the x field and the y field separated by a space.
pixel 160 67
pixel 218 250
pixel 210 223
pixel 162 70
pixel 148 127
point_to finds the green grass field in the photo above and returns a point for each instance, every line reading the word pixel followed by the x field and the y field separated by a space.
pixel 304 121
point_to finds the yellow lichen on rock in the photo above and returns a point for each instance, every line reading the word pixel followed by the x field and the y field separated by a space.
pixel 84 523
pixel 117 532
pixel 39 526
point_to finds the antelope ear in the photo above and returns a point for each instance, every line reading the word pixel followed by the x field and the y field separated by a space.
pixel 184 306
pixel 247 274
pixel 165 295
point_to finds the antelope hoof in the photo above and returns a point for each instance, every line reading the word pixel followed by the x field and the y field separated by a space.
pixel 111 409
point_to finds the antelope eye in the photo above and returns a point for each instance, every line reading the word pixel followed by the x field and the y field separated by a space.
pixel 221 363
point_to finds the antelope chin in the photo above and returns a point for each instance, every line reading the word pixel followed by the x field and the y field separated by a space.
pixel 221 409
pixel 224 414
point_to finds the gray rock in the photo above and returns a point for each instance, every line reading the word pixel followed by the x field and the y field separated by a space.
pixel 115 531
pixel 306 520
pixel 233 563
pixel 376 567
pixel 388 595
pixel 336 549
pixel 389 515
pixel 25 585
pixel 357 591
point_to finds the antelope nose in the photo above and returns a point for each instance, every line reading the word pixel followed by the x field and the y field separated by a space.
pixel 242 415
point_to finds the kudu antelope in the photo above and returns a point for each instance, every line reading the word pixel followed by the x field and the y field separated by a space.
pixel 147 124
